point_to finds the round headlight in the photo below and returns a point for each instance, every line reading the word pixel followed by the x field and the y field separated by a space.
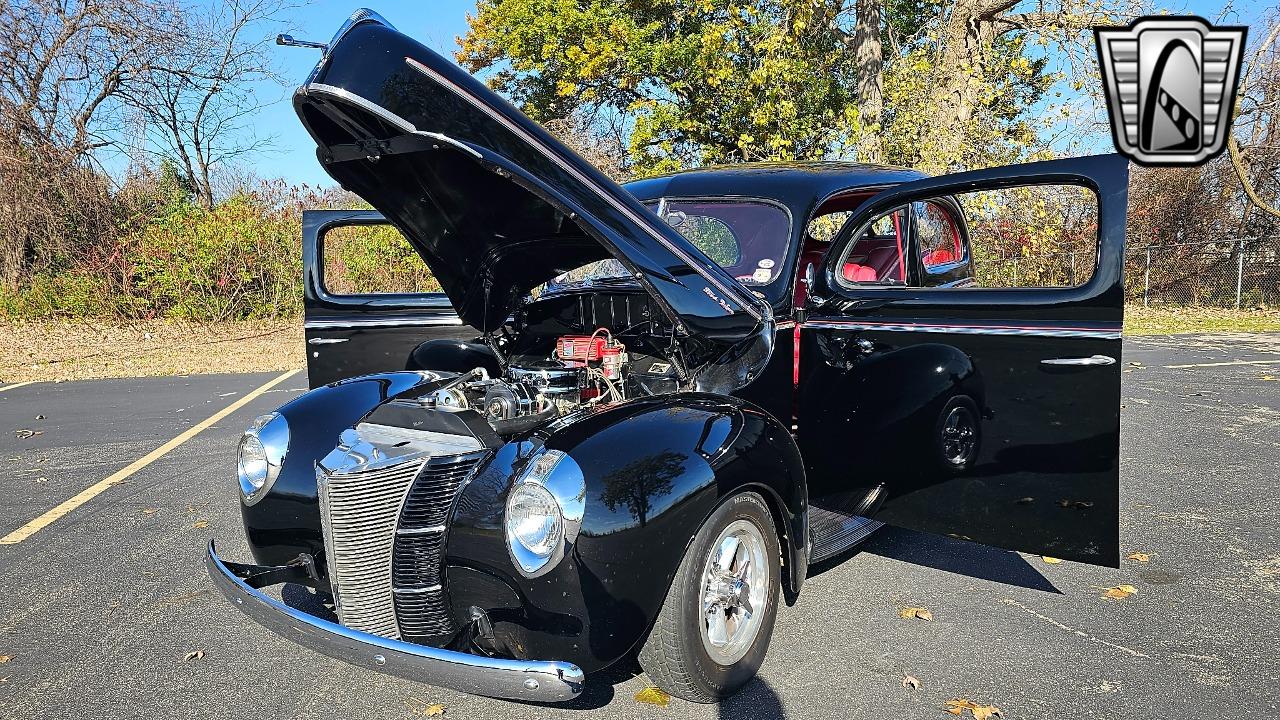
pixel 262 450
pixel 253 462
pixel 534 519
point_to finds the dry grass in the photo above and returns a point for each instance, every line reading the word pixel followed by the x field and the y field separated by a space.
pixel 1168 321
pixel 82 350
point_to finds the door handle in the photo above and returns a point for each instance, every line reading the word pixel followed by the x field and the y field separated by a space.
pixel 1093 360
pixel 326 341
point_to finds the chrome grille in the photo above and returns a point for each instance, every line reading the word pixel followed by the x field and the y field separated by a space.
pixel 359 511
pixel 418 565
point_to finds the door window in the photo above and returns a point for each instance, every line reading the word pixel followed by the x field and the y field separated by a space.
pixel 372 260
pixel 877 255
pixel 1037 236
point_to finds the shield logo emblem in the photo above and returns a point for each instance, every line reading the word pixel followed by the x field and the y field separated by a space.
pixel 1170 87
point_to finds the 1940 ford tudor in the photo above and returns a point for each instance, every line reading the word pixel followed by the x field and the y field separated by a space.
pixel 636 416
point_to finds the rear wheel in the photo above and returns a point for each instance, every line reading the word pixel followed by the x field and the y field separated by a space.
pixel 714 627
pixel 958 434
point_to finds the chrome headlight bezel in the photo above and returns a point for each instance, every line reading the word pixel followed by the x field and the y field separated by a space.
pixel 270 432
pixel 553 474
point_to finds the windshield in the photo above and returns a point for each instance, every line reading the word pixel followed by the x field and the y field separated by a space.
pixel 748 238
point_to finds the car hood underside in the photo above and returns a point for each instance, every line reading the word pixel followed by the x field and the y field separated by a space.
pixel 493 203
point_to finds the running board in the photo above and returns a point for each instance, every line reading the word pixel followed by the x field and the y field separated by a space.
pixel 833 532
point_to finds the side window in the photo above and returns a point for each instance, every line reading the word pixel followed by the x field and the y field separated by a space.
pixel 937 236
pixel 1038 236
pixel 372 260
pixel 877 255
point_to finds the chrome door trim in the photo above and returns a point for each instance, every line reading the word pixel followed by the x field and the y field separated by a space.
pixel 336 323
pixel 1100 360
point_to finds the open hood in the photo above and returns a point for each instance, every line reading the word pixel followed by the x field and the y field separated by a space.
pixel 493 203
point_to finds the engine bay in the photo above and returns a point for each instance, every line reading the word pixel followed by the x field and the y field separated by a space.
pixel 556 355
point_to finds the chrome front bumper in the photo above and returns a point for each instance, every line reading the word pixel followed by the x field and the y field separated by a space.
pixel 528 680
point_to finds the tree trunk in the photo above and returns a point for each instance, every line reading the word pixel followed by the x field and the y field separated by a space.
pixel 869 61
pixel 957 79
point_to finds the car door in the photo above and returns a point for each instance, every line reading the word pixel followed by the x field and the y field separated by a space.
pixel 357 323
pixel 987 409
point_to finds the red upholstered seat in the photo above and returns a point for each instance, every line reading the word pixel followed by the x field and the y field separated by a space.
pixel 939 257
pixel 859 273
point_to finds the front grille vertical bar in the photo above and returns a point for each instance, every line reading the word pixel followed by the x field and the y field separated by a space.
pixel 421 598
pixel 361 511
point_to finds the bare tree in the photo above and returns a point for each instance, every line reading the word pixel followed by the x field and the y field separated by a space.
pixel 1256 158
pixel 63 65
pixel 199 102
pixel 969 30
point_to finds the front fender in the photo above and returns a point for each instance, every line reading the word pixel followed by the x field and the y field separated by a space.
pixel 655 469
pixel 286 521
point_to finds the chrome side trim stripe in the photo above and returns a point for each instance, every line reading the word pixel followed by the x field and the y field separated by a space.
pixel 319 324
pixel 1048 331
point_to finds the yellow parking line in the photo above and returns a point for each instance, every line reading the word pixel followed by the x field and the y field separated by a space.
pixel 94 490
pixel 11 386
pixel 1224 364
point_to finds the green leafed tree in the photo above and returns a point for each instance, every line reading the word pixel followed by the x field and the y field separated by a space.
pixel 680 83
pixel 689 82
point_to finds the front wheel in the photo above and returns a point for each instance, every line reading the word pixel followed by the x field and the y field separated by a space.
pixel 714 627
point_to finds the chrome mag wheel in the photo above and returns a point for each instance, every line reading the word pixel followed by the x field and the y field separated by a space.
pixel 735 589
pixel 959 436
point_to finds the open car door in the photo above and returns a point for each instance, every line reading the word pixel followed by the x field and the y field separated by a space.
pixel 986 409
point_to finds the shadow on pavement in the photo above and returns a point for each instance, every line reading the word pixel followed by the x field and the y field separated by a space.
pixel 943 553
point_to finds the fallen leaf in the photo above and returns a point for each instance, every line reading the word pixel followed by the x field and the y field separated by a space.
pixel 26 433
pixel 5 658
pixel 39 417
pixel 193 655
pixel 433 710
pixel 150 511
pixel 200 524
pixel 653 696
pixel 957 706
pixel 911 681
pixel 915 612
pixel 1269 377
pixel 1050 560
pixel 1139 557
pixel 42 479
pixel 1119 592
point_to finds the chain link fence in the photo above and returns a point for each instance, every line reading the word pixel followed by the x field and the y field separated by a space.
pixel 1237 273
pixel 1240 274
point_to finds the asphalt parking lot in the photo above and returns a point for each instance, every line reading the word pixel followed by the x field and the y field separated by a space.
pixel 101 606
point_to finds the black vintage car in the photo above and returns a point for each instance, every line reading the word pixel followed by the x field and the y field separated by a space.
pixel 601 443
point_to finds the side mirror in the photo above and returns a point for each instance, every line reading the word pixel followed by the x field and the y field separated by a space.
pixel 808 279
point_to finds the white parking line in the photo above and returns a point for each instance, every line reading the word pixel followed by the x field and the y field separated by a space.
pixel 89 493
pixel 1223 364
pixel 11 386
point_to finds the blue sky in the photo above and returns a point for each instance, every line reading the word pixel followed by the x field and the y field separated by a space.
pixel 437 23
pixel 434 23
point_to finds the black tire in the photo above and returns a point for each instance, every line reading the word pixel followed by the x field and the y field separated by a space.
pixel 674 655
pixel 964 410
